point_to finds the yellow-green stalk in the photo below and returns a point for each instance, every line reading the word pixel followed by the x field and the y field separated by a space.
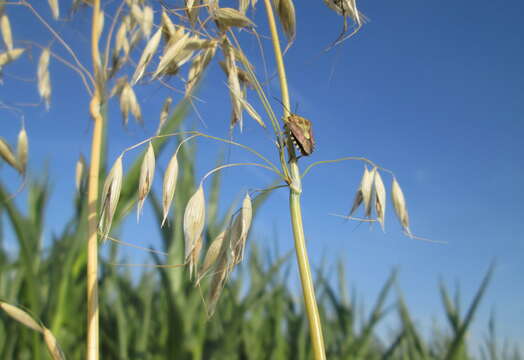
pixel 306 279
pixel 92 196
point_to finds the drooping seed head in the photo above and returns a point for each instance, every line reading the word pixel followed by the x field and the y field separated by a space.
pixel 399 203
pixel 169 186
pixel 22 150
pixel 380 199
pixel 147 173
pixel 7 154
pixel 194 218
pixel 110 197
pixel 240 230
pixel 44 80
pixel 5 27
pixel 21 316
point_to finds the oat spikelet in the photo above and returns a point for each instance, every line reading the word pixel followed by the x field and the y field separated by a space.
pixel 228 17
pixel 169 186
pixel 364 192
pixel 9 56
pixel 240 230
pixel 5 27
pixel 168 28
pixel 7 154
pixel 22 151
pixel 147 173
pixel 399 203
pixel 212 255
pixel 286 14
pixel 52 345
pixel 110 197
pixel 194 218
pixel 147 55
pixel 21 316
pixel 380 199
pixel 147 21
pixel 53 4
pixel 235 92
pixel 170 53
pixel 164 114
pixel 197 68
pixel 129 103
pixel 44 80
pixel 79 172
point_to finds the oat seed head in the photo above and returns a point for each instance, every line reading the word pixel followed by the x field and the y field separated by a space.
pixel 147 173
pixel 7 154
pixel 22 150
pixel 21 316
pixel 5 27
pixel 44 80
pixel 212 254
pixel 240 230
pixel 55 10
pixel 229 17
pixel 169 186
pixel 52 345
pixel 164 114
pixel 110 197
pixel 399 203
pixel 380 199
pixel 9 56
pixel 194 218
pixel 147 55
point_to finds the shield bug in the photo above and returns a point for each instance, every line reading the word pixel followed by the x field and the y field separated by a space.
pixel 300 131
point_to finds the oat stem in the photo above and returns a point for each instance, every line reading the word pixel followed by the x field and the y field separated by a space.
pixel 92 197
pixel 308 290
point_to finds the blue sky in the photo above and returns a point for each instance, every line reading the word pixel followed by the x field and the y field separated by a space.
pixel 431 90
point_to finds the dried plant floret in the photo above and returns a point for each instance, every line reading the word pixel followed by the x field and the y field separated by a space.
pixel 44 81
pixel 198 66
pixel 121 42
pixel 347 9
pixel 380 199
pixel 147 55
pixel 168 28
pixel 147 21
pixel 11 55
pixel 21 316
pixel 52 345
pixel 212 254
pixel 55 10
pixel 240 230
pixel 5 27
pixel 7 154
pixel 110 197
pixel 169 186
pixel 235 90
pixel 286 14
pixel 147 173
pixel 399 203
pixel 164 113
pixel 129 103
pixel 364 193
pixel 194 218
pixel 22 150
pixel 170 53
pixel 228 17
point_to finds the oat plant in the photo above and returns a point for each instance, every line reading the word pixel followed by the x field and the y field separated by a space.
pixel 136 43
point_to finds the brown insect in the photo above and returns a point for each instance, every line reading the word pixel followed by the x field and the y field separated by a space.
pixel 300 132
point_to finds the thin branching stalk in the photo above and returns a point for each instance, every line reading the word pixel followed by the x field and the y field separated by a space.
pixel 306 279
pixel 92 197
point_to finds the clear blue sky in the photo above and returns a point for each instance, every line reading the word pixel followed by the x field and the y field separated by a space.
pixel 431 90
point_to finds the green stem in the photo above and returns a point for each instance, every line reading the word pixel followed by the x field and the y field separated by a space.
pixel 295 209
